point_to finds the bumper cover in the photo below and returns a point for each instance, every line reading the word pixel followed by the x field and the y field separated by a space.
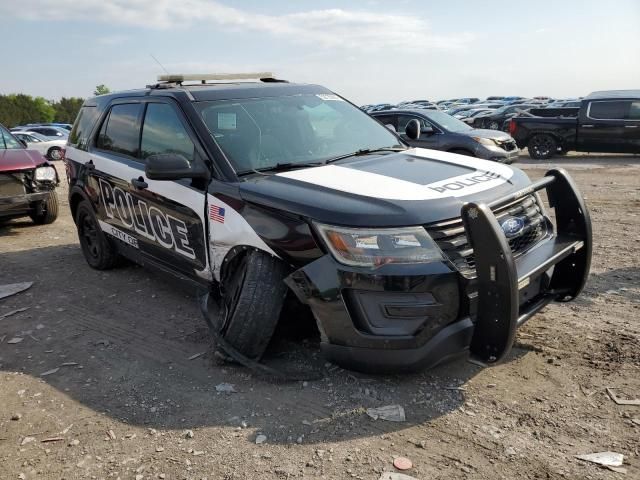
pixel 360 333
pixel 12 204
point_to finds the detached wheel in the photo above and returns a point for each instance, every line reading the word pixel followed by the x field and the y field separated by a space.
pixel 254 293
pixel 542 146
pixel 96 249
pixel 54 153
pixel 47 211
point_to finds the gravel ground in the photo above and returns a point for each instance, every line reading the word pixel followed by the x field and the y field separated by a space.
pixel 114 377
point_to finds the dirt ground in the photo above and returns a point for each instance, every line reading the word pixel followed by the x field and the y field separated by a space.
pixel 107 382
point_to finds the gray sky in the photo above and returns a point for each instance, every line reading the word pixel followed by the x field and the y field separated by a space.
pixel 369 51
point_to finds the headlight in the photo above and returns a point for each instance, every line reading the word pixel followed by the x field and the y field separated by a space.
pixel 485 141
pixel 47 174
pixel 363 247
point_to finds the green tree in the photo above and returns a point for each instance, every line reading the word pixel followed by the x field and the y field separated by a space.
pixel 67 109
pixel 101 90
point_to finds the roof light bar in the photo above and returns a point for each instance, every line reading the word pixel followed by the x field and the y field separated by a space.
pixel 213 76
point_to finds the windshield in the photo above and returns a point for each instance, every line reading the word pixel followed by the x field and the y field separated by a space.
pixel 446 121
pixel 8 141
pixel 260 133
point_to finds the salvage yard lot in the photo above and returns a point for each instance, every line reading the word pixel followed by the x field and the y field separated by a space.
pixel 127 395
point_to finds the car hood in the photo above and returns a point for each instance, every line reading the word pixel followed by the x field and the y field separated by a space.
pixel 414 187
pixel 485 133
pixel 12 160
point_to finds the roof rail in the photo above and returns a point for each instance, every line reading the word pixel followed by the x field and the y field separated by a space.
pixel 203 77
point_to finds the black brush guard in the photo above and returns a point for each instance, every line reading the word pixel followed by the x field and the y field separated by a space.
pixel 500 277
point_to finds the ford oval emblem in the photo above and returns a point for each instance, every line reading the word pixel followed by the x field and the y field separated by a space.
pixel 512 226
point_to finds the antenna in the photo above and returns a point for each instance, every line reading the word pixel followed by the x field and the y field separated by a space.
pixel 158 62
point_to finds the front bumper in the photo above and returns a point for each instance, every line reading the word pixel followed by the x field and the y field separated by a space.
pixel 408 317
pixel 20 204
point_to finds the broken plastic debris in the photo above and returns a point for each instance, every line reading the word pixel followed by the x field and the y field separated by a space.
pixel 225 387
pixel 13 312
pixel 608 459
pixel 390 413
pixel 396 476
pixel 622 401
pixel 13 288
pixel 49 372
pixel 15 340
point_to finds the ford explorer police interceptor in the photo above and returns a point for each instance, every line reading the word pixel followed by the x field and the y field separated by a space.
pixel 250 190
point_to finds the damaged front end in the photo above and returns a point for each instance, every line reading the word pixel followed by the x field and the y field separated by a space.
pixel 22 191
pixel 414 316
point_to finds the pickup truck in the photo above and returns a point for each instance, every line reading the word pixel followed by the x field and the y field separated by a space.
pixel 607 121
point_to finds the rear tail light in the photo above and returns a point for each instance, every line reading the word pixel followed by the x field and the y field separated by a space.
pixel 512 127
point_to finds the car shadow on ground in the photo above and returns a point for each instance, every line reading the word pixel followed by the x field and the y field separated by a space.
pixel 132 345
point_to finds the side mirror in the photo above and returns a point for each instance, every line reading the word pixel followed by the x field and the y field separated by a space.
pixel 172 166
pixel 428 129
pixel 412 130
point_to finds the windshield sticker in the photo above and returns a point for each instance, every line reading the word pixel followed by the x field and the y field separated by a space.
pixel 329 96
pixel 227 121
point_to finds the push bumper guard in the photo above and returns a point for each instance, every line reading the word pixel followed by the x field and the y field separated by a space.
pixel 500 277
pixel 554 270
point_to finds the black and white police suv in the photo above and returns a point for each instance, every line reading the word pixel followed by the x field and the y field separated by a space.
pixel 250 190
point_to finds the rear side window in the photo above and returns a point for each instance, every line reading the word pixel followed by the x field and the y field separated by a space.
pixel 613 110
pixel 163 132
pixel 120 132
pixel 634 111
pixel 79 135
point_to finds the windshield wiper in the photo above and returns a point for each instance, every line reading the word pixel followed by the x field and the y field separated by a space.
pixel 279 167
pixel 366 151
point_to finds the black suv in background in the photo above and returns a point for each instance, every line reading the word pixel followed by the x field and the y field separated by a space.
pixel 440 131
pixel 607 122
pixel 495 120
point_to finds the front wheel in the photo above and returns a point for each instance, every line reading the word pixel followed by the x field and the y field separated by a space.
pixel 54 153
pixel 542 146
pixel 254 293
pixel 47 211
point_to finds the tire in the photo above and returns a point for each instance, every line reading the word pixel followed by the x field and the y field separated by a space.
pixel 494 125
pixel 542 146
pixel 254 293
pixel 97 250
pixel 54 153
pixel 47 211
pixel 461 151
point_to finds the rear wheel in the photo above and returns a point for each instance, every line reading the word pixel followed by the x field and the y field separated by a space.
pixel 542 146
pixel 54 153
pixel 97 250
pixel 494 125
pixel 254 293
pixel 47 211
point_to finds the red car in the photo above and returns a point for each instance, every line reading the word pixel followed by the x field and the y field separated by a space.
pixel 27 182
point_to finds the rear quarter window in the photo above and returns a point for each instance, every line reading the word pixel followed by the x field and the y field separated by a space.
pixel 79 136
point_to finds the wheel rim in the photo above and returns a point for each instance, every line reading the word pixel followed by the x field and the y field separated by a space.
pixel 89 235
pixel 55 154
pixel 542 145
pixel 493 125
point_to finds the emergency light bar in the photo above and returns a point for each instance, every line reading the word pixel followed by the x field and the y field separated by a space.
pixel 213 76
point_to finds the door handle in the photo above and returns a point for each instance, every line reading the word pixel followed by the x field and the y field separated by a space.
pixel 631 126
pixel 139 183
pixel 587 126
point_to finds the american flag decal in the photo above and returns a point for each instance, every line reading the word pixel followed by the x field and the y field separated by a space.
pixel 216 213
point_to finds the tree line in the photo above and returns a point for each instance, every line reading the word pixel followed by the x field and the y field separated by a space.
pixel 20 109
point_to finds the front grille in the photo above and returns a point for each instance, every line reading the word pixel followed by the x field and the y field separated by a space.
pixel 452 238
pixel 12 184
pixel 509 145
